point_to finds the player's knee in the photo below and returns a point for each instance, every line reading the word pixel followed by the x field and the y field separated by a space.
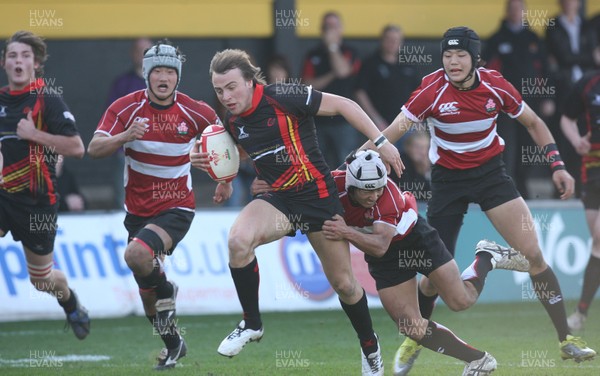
pixel 240 243
pixel 458 303
pixel 40 284
pixel 344 285
pixel 535 257
pixel 529 247
pixel 427 287
pixel 141 251
pixel 135 255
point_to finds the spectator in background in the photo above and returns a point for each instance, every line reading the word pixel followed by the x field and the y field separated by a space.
pixel 278 70
pixel 416 177
pixel 571 43
pixel 584 102
pixel 70 197
pixel 128 82
pixel 133 79
pixel 384 84
pixel 332 67
pixel 517 52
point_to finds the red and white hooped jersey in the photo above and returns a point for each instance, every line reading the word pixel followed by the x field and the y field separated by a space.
pixel 394 208
pixel 157 166
pixel 463 123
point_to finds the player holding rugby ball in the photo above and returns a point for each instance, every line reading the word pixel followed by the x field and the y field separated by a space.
pixel 274 125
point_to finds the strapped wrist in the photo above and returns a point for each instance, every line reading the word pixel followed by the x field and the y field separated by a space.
pixel 380 141
pixel 554 158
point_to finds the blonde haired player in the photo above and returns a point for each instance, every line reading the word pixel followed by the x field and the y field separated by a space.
pixel 274 124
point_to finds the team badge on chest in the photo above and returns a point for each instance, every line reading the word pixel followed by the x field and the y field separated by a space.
pixel 490 106
pixel 182 129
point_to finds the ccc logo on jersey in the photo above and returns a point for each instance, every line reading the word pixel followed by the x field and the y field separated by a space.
pixel 448 108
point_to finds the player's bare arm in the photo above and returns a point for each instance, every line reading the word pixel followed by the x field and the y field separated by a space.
pixel 222 192
pixel 375 244
pixel 332 105
pixel 394 132
pixel 103 146
pixel 541 135
pixel 535 126
pixel 581 143
pixel 69 146
pixel 259 186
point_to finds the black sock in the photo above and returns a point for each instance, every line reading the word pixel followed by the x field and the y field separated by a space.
pixel 548 292
pixel 426 304
pixel 164 289
pixel 591 281
pixel 152 319
pixel 441 339
pixel 359 316
pixel 70 305
pixel 247 280
pixel 156 280
pixel 477 272
pixel 169 336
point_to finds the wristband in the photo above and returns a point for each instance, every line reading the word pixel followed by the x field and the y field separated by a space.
pixel 553 156
pixel 385 141
pixel 380 141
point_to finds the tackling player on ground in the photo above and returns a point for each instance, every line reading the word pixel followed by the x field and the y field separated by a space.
pixel 157 128
pixel 382 221
pixel 36 128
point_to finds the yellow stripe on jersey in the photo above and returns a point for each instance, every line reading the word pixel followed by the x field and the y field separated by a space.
pixel 592 164
pixel 18 188
pixel 16 174
pixel 292 133
pixel 290 183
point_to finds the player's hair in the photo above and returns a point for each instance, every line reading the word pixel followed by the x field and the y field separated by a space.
pixel 278 61
pixel 229 59
pixel 391 27
pixel 330 13
pixel 38 46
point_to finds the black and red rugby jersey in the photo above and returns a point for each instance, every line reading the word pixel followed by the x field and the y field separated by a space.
pixel 278 133
pixel 29 168
pixel 584 99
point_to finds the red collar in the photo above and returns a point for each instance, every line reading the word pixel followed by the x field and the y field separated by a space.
pixel 38 83
pixel 256 97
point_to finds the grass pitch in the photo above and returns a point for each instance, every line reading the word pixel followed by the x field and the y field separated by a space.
pixel 519 335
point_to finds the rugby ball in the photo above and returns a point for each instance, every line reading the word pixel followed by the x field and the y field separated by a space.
pixel 222 153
